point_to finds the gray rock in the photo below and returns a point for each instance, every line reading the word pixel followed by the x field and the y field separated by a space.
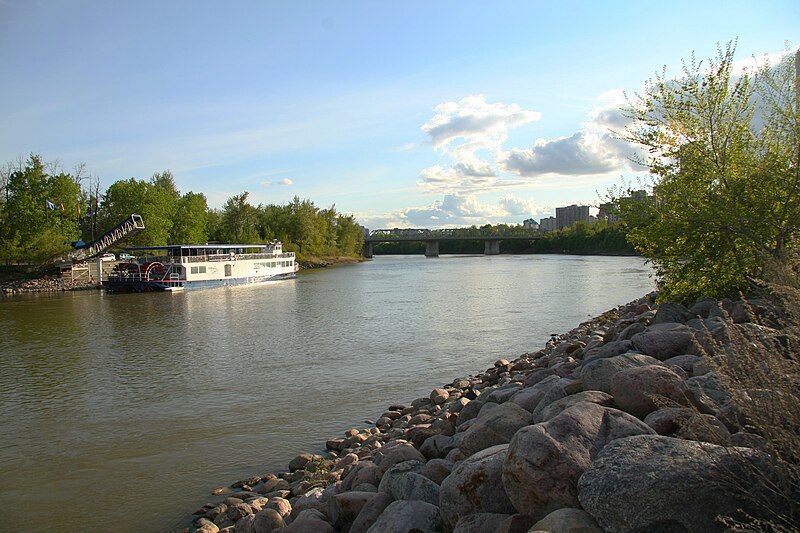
pixel 309 521
pixel 710 385
pixel 437 446
pixel 370 512
pixel 404 482
pixel 666 341
pixel 529 397
pixel 480 523
pixel 475 486
pixel 437 470
pixel 405 516
pixel 361 472
pixel 386 457
pixel 630 331
pixel 609 349
pixel 703 307
pixel 686 361
pixel 281 505
pixel 497 427
pixel 310 500
pixel 598 374
pixel 642 390
pixel 670 313
pixel 667 420
pixel 567 520
pixel 544 461
pixel 539 375
pixel 561 389
pixel 503 393
pixel 470 411
pixel 555 408
pixel 655 483
pixel 345 507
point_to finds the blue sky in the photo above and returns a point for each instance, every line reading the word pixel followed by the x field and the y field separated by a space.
pixel 404 113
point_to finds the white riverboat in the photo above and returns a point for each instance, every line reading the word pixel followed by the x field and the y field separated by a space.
pixel 193 266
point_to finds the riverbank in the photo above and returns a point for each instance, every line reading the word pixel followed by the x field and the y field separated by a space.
pixel 311 262
pixel 623 423
pixel 45 284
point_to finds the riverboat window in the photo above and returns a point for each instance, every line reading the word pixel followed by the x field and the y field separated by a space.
pixel 199 270
pixel 229 270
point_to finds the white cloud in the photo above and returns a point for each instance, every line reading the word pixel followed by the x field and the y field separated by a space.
pixel 265 183
pixel 454 210
pixel 473 118
pixel 285 181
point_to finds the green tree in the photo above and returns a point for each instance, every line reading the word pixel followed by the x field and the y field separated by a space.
pixel 239 221
pixel 190 222
pixel 152 201
pixel 723 150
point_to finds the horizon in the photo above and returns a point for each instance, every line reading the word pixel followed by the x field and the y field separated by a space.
pixel 442 115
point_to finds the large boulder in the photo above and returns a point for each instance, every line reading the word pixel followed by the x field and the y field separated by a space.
pixel 544 462
pixel 497 427
pixel 361 472
pixel 567 520
pixel 370 512
pixel 671 313
pixel 610 349
pixel 267 520
pixel 388 456
pixel 641 390
pixel 529 397
pixel 665 340
pixel 405 516
pixel 475 486
pixel 309 521
pixel 437 470
pixel 480 523
pixel 404 482
pixel 598 374
pixel 555 408
pixel 561 389
pixel 654 483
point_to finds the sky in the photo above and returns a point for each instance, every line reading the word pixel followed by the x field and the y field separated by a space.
pixel 405 114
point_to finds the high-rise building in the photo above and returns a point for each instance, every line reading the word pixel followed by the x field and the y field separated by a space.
pixel 567 216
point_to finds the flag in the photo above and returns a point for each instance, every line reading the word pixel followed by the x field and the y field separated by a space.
pixel 50 205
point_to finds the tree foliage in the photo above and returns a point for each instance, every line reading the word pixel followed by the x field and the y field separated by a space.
pixel 723 149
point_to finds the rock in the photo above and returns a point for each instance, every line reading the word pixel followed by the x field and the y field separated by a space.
pixel 502 394
pixel 480 523
pixel 667 420
pixel 437 446
pixel 747 440
pixel 309 521
pixel 609 350
pixel 439 396
pixel 598 374
pixel 437 470
pixel 703 307
pixel 370 512
pixel 245 524
pixel 555 408
pixel 267 520
pixel 274 484
pixel 386 458
pixel 470 411
pixel 405 516
pixel 567 520
pixel 666 341
pixel 655 483
pixel 310 500
pixel 630 331
pixel 529 397
pixel 281 505
pixel 539 375
pixel 560 389
pixel 670 313
pixel 345 507
pixel 404 482
pixel 641 390
pixel 685 361
pixel 207 527
pixel 495 428
pixel 475 486
pixel 710 385
pixel 299 462
pixel 238 510
pixel 545 460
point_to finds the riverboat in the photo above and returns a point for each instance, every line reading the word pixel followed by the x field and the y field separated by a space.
pixel 192 266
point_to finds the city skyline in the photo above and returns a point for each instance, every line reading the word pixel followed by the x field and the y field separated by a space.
pixel 426 115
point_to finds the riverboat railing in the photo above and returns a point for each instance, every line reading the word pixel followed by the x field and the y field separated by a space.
pixel 227 257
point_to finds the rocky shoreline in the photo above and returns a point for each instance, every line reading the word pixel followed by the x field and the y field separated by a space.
pixel 590 433
pixel 45 284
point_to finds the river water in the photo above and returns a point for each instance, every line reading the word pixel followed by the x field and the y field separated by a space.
pixel 121 412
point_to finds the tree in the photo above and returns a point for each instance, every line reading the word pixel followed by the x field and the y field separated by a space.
pixel 239 220
pixel 190 221
pixel 723 151
pixel 154 202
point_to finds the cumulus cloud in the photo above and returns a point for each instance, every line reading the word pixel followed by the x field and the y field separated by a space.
pixel 453 210
pixel 285 181
pixel 595 149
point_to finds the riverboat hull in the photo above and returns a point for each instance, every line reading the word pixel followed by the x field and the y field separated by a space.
pixel 132 285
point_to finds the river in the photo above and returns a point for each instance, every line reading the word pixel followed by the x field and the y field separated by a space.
pixel 122 412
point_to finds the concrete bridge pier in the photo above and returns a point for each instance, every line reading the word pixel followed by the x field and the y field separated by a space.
pixel 368 250
pixel 431 248
pixel 491 247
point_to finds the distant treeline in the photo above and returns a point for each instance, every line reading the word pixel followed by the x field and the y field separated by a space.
pixel 599 238
pixel 43 209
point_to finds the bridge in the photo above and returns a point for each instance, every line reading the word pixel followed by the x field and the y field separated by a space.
pixel 490 236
